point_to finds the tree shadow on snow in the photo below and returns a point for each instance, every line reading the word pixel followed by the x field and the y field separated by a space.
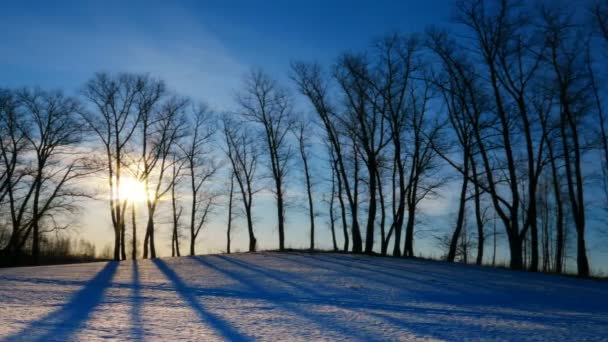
pixel 62 324
pixel 137 331
pixel 244 274
pixel 464 302
pixel 221 326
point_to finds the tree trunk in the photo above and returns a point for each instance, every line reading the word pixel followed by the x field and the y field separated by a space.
pixel 229 228
pixel 515 249
pixel 252 239
pixel 461 211
pixel 134 233
pixel 311 212
pixel 478 215
pixel 384 237
pixel 342 209
pixel 280 216
pixel 559 215
pixel 371 212
pixel 400 213
pixel 123 244
pixel 354 208
pixel 117 243
pixel 408 249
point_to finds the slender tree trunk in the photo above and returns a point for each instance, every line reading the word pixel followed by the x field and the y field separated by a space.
pixel 411 220
pixel 575 188
pixel 400 213
pixel 372 169
pixel 252 239
pixel 134 232
pixel 459 222
pixel 354 210
pixel 332 220
pixel 36 222
pixel 408 248
pixel 494 242
pixel 281 216
pixel 192 244
pixel 176 214
pixel 123 243
pixel 478 214
pixel 229 228
pixel 384 237
pixel 116 243
pixel 342 211
pixel 149 239
pixel 559 215
pixel 461 211
pixel 311 212
pixel 119 225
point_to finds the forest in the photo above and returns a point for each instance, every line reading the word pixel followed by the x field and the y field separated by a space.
pixel 506 103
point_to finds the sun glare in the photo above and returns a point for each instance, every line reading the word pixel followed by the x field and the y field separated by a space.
pixel 132 190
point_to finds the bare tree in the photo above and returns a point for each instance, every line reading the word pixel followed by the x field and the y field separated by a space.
pixel 571 81
pixel 314 86
pixel 301 130
pixel 243 155
pixel 423 179
pixel 264 103
pixel 395 66
pixel 176 208
pixel 332 215
pixel 13 146
pixel 148 102
pixel 202 167
pixel 598 84
pixel 161 129
pixel 364 122
pixel 55 136
pixel 41 160
pixel 114 117
pixel 339 194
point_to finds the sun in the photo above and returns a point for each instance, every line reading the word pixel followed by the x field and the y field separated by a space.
pixel 132 190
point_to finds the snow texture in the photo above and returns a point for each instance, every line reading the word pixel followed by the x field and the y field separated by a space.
pixel 296 297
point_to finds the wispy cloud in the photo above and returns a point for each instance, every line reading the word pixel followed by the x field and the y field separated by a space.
pixel 178 49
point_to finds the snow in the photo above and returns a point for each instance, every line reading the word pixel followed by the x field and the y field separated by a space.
pixel 296 296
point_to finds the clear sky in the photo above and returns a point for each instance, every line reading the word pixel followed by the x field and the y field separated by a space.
pixel 201 49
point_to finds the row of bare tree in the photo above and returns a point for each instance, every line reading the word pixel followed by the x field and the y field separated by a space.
pixel 40 162
pixel 508 103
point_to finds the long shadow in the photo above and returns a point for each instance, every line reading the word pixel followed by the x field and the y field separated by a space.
pixel 61 324
pixel 350 270
pixel 275 275
pixel 505 288
pixel 371 308
pixel 468 305
pixel 220 325
pixel 473 272
pixel 137 331
pixel 451 290
pixel 284 300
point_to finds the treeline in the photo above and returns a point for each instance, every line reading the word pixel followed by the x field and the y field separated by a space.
pixel 508 103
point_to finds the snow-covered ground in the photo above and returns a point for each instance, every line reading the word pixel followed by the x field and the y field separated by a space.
pixel 278 297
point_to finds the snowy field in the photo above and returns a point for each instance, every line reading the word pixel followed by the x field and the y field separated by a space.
pixel 278 297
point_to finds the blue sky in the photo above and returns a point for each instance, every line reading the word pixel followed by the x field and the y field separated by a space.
pixel 200 47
